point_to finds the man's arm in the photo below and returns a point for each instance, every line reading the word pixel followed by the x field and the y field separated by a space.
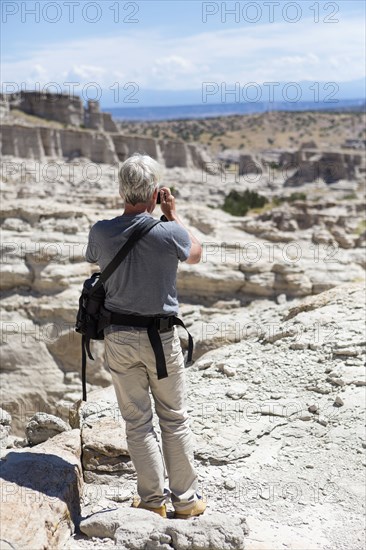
pixel 91 254
pixel 167 203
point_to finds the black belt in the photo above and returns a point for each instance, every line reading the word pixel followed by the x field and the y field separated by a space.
pixel 154 325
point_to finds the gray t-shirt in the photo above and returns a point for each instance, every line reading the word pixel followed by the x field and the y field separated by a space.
pixel 145 282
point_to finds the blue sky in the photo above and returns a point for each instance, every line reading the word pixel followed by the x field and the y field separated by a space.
pixel 177 45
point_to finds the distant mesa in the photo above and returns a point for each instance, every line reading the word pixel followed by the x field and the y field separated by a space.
pixel 88 133
pixel 62 108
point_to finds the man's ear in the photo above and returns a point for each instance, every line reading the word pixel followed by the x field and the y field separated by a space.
pixel 155 194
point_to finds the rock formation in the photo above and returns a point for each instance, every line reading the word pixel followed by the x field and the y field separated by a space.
pixel 90 133
pixel 96 120
pixel 5 427
pixel 42 427
pixel 136 529
pixel 41 490
pixel 276 310
pixel 99 147
pixel 63 108
pixel 308 165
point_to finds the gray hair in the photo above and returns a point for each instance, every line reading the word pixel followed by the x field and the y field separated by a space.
pixel 138 178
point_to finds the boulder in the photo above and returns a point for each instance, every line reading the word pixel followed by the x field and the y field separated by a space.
pixel 43 426
pixel 105 447
pixel 103 434
pixel 5 427
pixel 136 529
pixel 41 490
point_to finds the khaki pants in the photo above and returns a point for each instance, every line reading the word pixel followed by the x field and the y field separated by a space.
pixel 131 361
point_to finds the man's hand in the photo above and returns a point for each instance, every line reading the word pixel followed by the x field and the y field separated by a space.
pixel 167 203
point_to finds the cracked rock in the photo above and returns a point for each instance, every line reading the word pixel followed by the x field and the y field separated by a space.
pixel 136 529
pixel 42 426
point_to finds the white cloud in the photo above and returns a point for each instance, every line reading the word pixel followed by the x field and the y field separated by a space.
pixel 259 53
pixel 86 72
pixel 175 61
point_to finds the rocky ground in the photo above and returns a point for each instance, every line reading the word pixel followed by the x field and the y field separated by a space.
pixel 277 417
pixel 277 389
pixel 278 425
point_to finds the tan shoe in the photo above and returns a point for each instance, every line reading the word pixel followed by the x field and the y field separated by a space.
pixel 137 503
pixel 196 510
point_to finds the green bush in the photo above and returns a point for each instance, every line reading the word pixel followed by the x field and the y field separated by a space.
pixel 239 203
pixel 293 197
pixel 297 197
pixel 350 197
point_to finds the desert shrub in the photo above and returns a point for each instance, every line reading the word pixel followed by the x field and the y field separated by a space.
pixel 239 203
pixel 297 196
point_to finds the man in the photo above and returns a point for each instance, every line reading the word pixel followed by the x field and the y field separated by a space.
pixel 145 285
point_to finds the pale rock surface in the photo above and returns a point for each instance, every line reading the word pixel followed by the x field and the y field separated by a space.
pixel 40 143
pixel 139 529
pixel 5 427
pixel 283 436
pixel 29 372
pixel 103 435
pixel 105 448
pixel 43 426
pixel 41 490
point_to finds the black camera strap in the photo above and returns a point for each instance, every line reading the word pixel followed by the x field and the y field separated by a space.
pixel 137 234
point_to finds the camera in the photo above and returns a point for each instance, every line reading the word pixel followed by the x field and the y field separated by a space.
pixel 158 200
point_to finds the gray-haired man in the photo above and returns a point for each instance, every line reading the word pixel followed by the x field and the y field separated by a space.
pixel 145 285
